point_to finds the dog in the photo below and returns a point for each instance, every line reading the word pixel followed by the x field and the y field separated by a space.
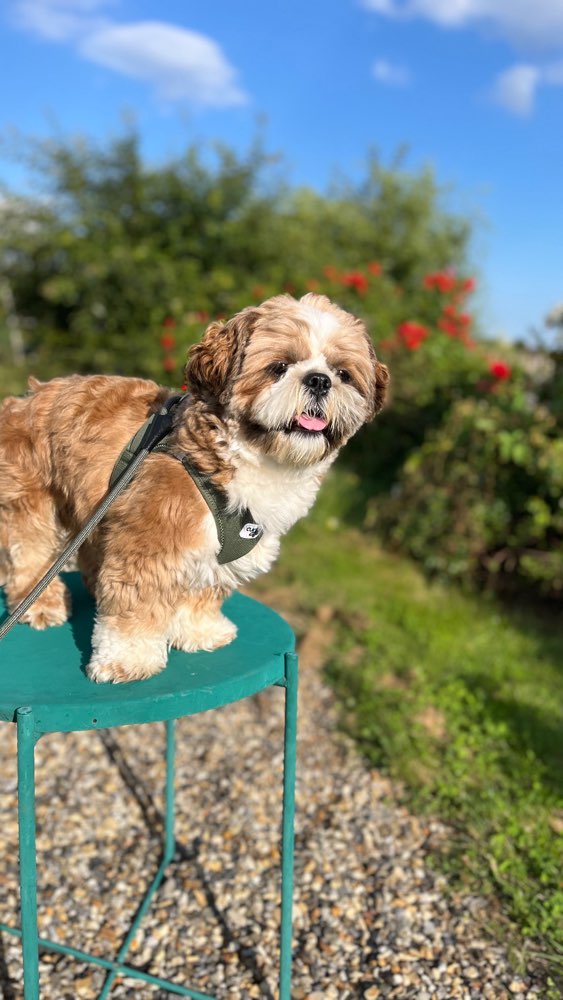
pixel 273 394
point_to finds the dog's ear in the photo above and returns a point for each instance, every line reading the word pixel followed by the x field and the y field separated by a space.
pixel 380 382
pixel 382 378
pixel 214 364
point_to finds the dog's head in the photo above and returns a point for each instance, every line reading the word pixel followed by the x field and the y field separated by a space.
pixel 301 377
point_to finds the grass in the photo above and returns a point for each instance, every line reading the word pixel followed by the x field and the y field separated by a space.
pixel 457 696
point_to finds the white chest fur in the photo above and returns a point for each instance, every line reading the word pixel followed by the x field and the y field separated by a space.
pixel 277 496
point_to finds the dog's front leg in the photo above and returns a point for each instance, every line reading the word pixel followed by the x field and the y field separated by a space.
pixel 129 641
pixel 199 624
pixel 125 649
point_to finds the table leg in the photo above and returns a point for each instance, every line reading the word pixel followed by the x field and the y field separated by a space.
pixel 169 839
pixel 27 851
pixel 288 836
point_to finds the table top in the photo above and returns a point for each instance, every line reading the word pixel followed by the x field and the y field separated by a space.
pixel 46 670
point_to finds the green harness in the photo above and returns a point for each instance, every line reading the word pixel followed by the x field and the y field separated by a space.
pixel 237 531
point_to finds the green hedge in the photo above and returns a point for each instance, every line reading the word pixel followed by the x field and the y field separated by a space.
pixel 480 500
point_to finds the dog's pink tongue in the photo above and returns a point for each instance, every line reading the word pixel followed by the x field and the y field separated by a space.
pixel 311 423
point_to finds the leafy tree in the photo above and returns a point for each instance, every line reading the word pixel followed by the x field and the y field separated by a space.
pixel 113 247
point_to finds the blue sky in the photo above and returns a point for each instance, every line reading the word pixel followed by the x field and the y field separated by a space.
pixel 474 87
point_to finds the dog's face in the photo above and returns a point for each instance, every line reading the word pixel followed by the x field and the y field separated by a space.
pixel 301 377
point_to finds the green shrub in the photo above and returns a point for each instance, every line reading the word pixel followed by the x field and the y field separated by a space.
pixel 481 498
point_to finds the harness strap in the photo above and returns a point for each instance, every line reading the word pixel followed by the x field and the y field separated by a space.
pixel 148 437
pixel 237 530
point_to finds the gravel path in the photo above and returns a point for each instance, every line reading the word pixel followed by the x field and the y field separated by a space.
pixel 371 918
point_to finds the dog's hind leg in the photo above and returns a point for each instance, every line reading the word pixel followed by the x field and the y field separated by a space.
pixel 32 538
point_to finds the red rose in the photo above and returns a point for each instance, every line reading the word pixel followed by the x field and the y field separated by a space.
pixel 412 334
pixel 169 322
pixel 500 369
pixel 168 364
pixel 356 280
pixel 168 341
pixel 442 280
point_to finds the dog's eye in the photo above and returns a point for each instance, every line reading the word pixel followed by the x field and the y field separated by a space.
pixel 344 375
pixel 278 369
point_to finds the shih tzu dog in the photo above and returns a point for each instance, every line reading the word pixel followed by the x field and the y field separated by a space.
pixel 273 394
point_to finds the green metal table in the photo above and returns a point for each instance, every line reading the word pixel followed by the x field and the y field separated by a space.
pixel 44 689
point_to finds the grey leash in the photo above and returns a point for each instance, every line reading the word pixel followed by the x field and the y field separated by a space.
pixel 155 430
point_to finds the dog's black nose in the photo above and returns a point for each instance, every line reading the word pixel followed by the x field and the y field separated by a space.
pixel 318 383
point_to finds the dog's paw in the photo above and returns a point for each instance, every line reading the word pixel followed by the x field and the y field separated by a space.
pixel 203 634
pixel 118 657
pixel 114 672
pixel 53 607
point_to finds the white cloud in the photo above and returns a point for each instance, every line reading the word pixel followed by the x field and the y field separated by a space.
pixel 527 23
pixel 180 64
pixel 515 88
pixel 391 73
pixel 56 20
